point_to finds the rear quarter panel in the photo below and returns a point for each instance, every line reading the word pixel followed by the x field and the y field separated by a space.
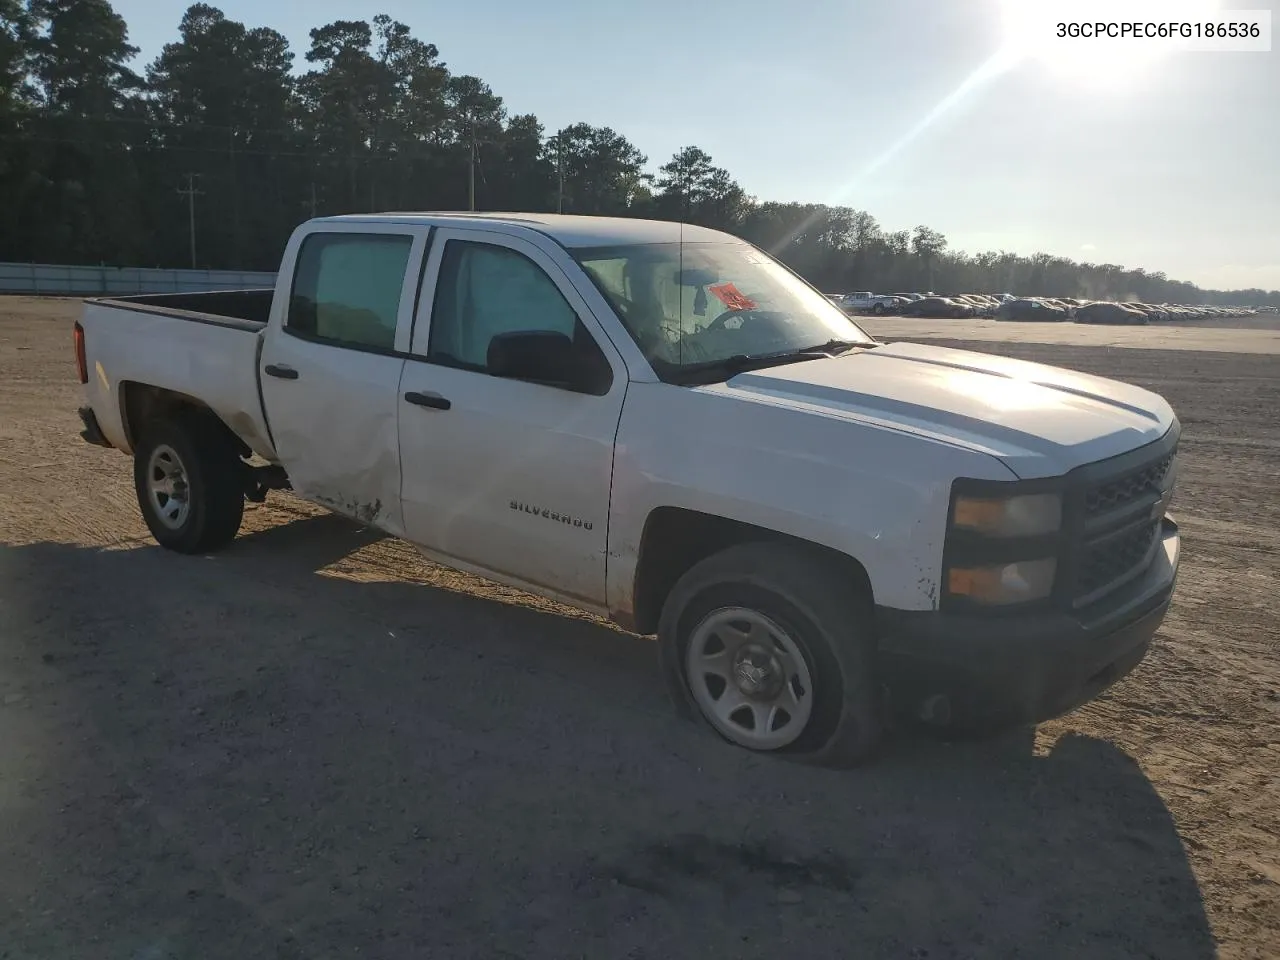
pixel 213 363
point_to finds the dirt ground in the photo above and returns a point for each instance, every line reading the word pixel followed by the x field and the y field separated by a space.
pixel 1250 335
pixel 316 744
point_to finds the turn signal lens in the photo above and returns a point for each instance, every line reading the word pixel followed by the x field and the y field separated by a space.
pixel 1005 583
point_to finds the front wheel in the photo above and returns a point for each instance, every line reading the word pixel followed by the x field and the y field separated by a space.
pixel 189 482
pixel 775 652
pixel 878 309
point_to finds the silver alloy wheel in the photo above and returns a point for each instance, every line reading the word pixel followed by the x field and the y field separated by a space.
pixel 167 487
pixel 749 678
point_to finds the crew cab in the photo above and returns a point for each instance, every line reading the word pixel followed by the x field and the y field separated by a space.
pixel 664 425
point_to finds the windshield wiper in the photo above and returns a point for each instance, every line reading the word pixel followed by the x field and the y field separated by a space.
pixel 834 348
pixel 725 368
pixel 713 370
pixel 722 369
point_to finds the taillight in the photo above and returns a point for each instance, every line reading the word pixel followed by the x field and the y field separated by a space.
pixel 82 365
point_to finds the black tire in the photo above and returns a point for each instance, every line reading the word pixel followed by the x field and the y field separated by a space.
pixel 214 482
pixel 830 621
pixel 878 309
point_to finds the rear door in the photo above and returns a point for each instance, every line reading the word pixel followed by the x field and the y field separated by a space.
pixel 507 477
pixel 332 360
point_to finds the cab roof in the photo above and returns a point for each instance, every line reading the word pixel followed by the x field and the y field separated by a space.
pixel 567 230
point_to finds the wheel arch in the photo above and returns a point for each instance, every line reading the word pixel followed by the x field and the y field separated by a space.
pixel 674 539
pixel 142 403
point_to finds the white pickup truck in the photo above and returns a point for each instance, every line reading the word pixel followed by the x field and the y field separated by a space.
pixel 864 301
pixel 662 424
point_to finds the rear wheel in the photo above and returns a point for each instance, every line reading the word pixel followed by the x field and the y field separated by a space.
pixel 878 309
pixel 190 484
pixel 775 652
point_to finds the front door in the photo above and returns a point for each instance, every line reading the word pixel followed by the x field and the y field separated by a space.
pixel 330 369
pixel 503 476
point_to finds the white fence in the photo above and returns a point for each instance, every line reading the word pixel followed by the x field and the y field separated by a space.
pixel 56 280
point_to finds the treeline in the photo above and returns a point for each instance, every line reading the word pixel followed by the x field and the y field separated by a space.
pixel 101 163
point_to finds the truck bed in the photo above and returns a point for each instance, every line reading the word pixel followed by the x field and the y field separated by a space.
pixel 202 345
pixel 248 309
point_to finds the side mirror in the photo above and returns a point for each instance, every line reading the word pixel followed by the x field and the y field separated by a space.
pixel 543 356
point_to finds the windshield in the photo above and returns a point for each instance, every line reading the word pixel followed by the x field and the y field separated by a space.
pixel 692 306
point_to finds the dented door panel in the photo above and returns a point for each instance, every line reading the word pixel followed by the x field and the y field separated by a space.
pixel 331 364
pixel 335 428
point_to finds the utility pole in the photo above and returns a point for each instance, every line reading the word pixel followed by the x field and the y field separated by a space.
pixel 235 198
pixel 190 192
pixel 560 171
pixel 471 186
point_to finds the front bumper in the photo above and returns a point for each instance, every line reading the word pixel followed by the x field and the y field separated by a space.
pixel 967 670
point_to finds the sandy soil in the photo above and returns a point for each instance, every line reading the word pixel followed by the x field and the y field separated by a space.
pixel 318 745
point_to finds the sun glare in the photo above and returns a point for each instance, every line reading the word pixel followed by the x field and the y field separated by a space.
pixel 1029 34
pixel 1106 64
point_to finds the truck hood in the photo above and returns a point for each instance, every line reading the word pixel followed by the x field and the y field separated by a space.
pixel 1040 421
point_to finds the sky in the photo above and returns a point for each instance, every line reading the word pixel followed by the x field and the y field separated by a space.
pixel 936 112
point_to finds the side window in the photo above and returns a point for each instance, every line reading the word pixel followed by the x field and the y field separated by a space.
pixel 346 287
pixel 612 276
pixel 484 290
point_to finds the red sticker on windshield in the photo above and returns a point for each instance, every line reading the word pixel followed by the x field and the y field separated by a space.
pixel 731 297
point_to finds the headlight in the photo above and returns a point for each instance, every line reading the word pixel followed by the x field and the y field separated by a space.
pixel 1003 583
pixel 1028 515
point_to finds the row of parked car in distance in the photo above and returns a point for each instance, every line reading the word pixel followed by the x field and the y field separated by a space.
pixel 1006 306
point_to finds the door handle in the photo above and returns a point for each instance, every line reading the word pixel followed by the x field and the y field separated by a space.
pixel 281 371
pixel 432 400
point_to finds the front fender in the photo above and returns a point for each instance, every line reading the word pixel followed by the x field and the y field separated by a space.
pixel 877 495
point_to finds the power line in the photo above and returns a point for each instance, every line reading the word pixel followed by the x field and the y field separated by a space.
pixel 422 149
